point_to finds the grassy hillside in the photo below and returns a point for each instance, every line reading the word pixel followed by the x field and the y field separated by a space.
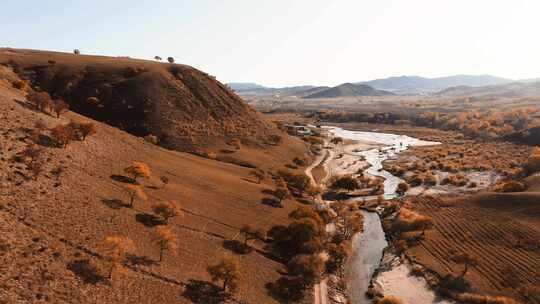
pixel 54 219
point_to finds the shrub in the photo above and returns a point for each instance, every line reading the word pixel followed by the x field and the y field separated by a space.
pixel 116 250
pixel 170 59
pixel 251 233
pixel 138 169
pixel 157 58
pixel 76 52
pixel 59 107
pixel 166 240
pixel 338 253
pixel 275 139
pixel 167 210
pixel 227 271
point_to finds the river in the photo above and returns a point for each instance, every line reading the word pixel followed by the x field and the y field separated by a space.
pixel 368 246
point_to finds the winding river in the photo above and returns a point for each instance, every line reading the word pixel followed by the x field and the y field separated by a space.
pixel 368 246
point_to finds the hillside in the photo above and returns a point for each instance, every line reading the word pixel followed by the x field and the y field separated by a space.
pixel 349 90
pixel 54 220
pixel 417 84
pixel 185 108
pixel 244 86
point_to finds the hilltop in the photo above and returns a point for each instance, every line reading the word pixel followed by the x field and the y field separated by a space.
pixel 349 90
pixel 186 109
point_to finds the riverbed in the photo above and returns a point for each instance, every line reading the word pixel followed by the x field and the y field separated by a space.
pixel 368 246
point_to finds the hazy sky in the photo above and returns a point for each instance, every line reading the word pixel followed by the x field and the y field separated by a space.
pixel 287 42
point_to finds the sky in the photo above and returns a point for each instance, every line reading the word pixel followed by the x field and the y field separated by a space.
pixel 288 42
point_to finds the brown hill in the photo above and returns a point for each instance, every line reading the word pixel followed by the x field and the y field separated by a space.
pixel 184 107
pixel 52 227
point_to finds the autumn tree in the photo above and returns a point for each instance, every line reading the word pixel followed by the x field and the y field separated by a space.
pixel 307 267
pixel 402 188
pixel 59 107
pixel 76 52
pixel 167 210
pixel 42 100
pixel 135 192
pixel 337 253
pixel 252 233
pixel 86 129
pixel 463 258
pixel 170 59
pixel 227 271
pixel 259 174
pixel 62 135
pixel 116 250
pixel 158 58
pixel 166 240
pixel 346 182
pixel 138 169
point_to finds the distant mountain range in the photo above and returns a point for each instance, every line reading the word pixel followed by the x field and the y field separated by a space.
pixel 417 84
pixel 513 89
pixel 457 85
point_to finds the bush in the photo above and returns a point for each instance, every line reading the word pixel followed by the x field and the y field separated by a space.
pixel 300 161
pixel 76 52
pixel 170 59
pixel 298 181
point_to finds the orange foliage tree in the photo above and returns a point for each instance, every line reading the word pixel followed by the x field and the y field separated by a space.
pixel 166 240
pixel 138 169
pixel 116 251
